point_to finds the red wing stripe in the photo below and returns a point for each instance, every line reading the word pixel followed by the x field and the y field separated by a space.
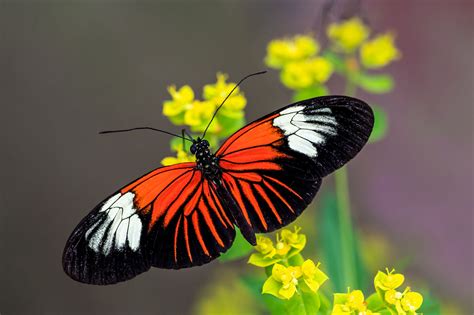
pixel 283 185
pixel 237 196
pixel 158 171
pixel 198 232
pixel 270 204
pixel 247 190
pixel 186 238
pixel 216 200
pixel 176 240
pixel 211 205
pixel 261 153
pixel 279 196
pixel 207 218
pixel 241 132
pixel 244 167
pixel 248 176
pixel 181 195
pixel 192 203
pixel 160 205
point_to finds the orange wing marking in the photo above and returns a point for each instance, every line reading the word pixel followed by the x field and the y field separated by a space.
pixel 186 238
pixel 176 240
pixel 198 232
pixel 210 224
pixel 279 196
pixel 248 192
pixel 270 204
pixel 236 194
pixel 283 185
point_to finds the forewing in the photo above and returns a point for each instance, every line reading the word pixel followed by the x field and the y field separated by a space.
pixel 274 166
pixel 153 221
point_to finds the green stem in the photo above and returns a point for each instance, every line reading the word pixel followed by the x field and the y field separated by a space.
pixel 345 226
pixel 344 215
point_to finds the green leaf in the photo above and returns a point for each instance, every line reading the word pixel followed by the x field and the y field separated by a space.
pixel 374 303
pixel 337 62
pixel 430 305
pixel 310 92
pixel 240 249
pixel 230 123
pixel 373 83
pixel 260 260
pixel 331 248
pixel 311 302
pixel 380 124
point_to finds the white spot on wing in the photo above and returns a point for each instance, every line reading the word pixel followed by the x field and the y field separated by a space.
pixel 110 202
pixel 121 234
pixel 301 145
pixel 134 232
pixel 306 131
pixel 284 123
pixel 120 224
pixel 291 110
pixel 316 118
pixel 310 135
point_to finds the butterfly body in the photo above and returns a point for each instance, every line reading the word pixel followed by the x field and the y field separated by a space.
pixel 184 215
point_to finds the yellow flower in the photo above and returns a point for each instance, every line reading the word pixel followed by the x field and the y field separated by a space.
pixel 181 157
pixel 198 114
pixel 313 276
pixel 350 303
pixel 389 280
pixel 265 246
pixel 283 281
pixel 280 52
pixel 411 301
pixel 287 245
pixel 218 91
pixel 406 302
pixel 182 100
pixel 349 34
pixel 379 52
pixel 303 74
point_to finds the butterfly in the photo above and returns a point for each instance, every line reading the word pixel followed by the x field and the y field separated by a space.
pixel 184 215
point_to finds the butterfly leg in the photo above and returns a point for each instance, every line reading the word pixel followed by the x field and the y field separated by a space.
pixel 244 227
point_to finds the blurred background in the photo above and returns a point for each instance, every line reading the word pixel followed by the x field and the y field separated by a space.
pixel 71 69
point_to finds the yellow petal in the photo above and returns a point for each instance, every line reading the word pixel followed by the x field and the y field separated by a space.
pixel 412 301
pixel 349 34
pixel 379 52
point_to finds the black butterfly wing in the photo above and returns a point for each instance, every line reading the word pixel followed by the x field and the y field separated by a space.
pixel 169 218
pixel 273 167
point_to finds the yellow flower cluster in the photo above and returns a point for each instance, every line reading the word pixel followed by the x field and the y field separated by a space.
pixel 297 58
pixel 352 34
pixel 386 300
pixel 404 303
pixel 184 109
pixel 288 243
pixel 352 302
pixel 284 281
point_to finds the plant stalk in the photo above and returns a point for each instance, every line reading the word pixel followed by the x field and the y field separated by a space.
pixel 344 214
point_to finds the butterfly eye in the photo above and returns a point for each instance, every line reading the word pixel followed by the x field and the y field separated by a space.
pixel 193 148
pixel 205 143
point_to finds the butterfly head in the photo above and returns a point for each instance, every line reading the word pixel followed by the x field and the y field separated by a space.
pixel 199 146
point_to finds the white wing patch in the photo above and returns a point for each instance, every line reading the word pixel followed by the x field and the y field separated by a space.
pixel 306 131
pixel 121 224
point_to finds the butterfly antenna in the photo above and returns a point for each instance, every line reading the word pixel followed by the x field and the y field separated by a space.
pixel 145 128
pixel 225 99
